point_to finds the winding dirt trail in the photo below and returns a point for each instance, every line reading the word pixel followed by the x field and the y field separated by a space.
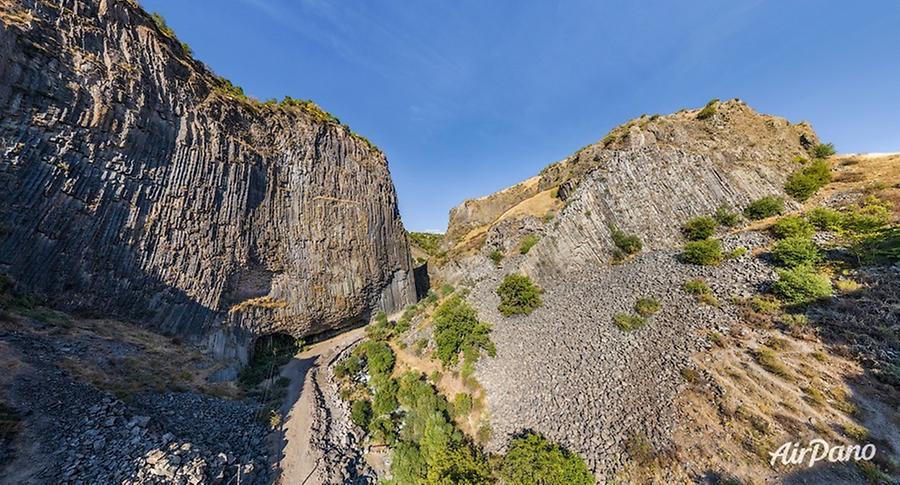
pixel 300 462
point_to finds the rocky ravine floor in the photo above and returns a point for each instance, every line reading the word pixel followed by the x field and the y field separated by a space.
pixel 317 443
pixel 568 372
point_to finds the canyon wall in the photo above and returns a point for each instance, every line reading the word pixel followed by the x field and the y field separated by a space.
pixel 136 183
pixel 646 177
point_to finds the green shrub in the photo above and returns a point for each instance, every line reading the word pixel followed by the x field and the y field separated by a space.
pixel 627 243
pixel 385 401
pixel 646 307
pixel 361 413
pixel 456 328
pixel 792 226
pixel 462 404
pixel 709 110
pixel 378 356
pixel 805 182
pixel 627 322
pixel 801 285
pixel 348 367
pixel 496 256
pixel 528 242
pixel 696 287
pixel 428 241
pixel 725 217
pixel 825 219
pixel 870 216
pixel 823 150
pixel 707 252
pixel 736 252
pixel 383 430
pixel 765 207
pixel 796 251
pixel 518 295
pixel 532 459
pixel 699 228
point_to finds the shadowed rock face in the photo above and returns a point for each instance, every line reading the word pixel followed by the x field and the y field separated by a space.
pixel 132 183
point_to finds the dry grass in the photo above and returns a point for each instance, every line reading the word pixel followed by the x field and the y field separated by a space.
pixel 264 302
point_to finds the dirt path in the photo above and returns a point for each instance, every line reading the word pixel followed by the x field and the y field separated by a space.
pixel 300 461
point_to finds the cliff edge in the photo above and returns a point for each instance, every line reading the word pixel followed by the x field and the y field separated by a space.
pixel 135 182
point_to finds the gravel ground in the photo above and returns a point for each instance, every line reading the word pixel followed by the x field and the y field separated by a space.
pixel 568 372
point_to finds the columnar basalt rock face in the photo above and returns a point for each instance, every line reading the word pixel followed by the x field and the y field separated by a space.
pixel 133 183
pixel 646 177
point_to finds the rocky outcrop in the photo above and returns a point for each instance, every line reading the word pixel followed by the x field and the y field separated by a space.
pixel 646 177
pixel 135 182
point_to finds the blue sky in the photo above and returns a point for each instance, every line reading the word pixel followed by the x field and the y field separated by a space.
pixel 469 96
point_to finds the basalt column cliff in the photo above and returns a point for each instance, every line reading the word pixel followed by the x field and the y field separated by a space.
pixel 135 182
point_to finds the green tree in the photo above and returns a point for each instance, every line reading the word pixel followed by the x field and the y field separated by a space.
pixel 361 413
pixel 518 295
pixel 456 327
pixel 533 460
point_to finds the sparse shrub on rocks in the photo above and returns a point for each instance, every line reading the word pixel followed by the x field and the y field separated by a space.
pixel 496 256
pixel 456 328
pixel 528 242
pixel 792 226
pixel 767 359
pixel 518 295
pixel 532 459
pixel 825 219
pixel 823 150
pixel 796 251
pixel 627 243
pixel 709 110
pixel 803 183
pixel 639 449
pixel 801 285
pixel 736 252
pixel 696 287
pixel 765 207
pixel 699 228
pixel 726 217
pixel 646 307
pixel 707 252
pixel 627 322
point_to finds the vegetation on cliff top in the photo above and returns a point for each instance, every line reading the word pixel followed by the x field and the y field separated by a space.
pixel 230 90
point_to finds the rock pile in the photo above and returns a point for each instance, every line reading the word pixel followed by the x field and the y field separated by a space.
pixel 81 435
pixel 568 372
